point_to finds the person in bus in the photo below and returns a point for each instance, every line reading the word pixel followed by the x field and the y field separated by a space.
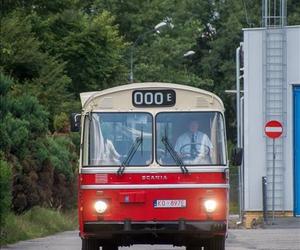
pixel 102 149
pixel 108 152
pixel 194 146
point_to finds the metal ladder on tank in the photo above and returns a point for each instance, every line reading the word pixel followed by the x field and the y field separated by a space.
pixel 275 91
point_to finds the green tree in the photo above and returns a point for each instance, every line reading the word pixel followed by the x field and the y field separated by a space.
pixel 159 57
pixel 89 44
pixel 38 73
pixel 43 7
pixel 44 167
pixel 293 11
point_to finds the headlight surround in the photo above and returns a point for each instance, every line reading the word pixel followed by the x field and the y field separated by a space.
pixel 210 205
pixel 100 206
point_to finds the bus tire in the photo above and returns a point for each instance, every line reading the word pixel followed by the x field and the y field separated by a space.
pixel 217 243
pixel 193 248
pixel 89 244
pixel 110 247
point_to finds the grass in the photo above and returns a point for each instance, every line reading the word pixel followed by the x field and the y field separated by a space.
pixel 233 208
pixel 40 222
pixel 37 222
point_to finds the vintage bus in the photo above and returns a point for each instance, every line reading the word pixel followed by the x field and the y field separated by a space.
pixel 153 167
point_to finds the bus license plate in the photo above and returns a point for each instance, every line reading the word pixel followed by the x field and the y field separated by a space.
pixel 169 203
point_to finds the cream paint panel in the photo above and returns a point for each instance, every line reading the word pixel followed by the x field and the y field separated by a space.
pixel 254 141
pixel 120 98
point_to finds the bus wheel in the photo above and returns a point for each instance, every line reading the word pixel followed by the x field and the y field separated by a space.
pixel 217 243
pixel 109 247
pixel 89 244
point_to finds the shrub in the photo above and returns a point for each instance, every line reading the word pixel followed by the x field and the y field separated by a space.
pixel 15 133
pixel 62 155
pixel 61 123
pixel 5 190
pixel 29 109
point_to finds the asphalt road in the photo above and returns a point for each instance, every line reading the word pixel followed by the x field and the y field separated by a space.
pixel 264 239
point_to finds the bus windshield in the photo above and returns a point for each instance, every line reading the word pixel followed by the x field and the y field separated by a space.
pixel 191 138
pixel 114 139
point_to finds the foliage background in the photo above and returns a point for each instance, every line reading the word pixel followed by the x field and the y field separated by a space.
pixel 53 50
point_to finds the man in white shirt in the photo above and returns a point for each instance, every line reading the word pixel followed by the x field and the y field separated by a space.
pixel 193 146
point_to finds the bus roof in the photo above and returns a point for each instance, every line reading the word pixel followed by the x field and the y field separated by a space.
pixel 215 102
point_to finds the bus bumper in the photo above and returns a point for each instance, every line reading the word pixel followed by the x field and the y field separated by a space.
pixel 161 231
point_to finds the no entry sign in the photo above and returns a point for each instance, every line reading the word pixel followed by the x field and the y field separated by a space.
pixel 273 129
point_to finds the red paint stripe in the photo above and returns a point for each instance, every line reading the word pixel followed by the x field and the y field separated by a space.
pixel 170 178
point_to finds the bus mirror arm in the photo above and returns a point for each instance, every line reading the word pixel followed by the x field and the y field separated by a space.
pixel 237 156
pixel 75 119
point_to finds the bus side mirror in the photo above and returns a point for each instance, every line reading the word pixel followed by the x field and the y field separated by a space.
pixel 75 122
pixel 237 156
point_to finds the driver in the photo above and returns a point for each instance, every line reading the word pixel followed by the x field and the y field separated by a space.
pixel 194 146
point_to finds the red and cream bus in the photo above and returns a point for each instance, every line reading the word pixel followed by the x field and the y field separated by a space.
pixel 153 167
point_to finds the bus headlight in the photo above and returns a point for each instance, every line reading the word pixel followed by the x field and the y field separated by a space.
pixel 210 205
pixel 100 206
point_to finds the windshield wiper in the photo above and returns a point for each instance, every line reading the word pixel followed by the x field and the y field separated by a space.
pixel 134 147
pixel 174 154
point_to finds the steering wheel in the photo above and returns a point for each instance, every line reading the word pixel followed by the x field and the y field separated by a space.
pixel 187 155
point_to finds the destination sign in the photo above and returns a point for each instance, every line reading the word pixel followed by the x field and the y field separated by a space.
pixel 153 98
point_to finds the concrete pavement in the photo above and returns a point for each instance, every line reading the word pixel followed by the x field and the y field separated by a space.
pixel 239 239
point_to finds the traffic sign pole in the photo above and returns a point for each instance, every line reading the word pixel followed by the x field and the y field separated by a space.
pixel 273 183
pixel 273 129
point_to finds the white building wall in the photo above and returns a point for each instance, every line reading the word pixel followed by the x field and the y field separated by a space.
pixel 254 139
pixel 254 147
